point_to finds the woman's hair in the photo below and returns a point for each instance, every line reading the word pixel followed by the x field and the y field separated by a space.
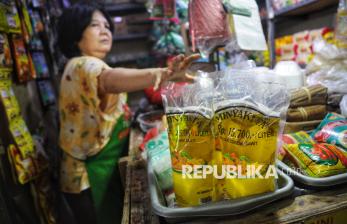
pixel 72 24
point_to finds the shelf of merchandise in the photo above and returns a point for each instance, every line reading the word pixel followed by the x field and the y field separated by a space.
pixel 302 8
pixel 124 8
pixel 305 7
pixel 133 36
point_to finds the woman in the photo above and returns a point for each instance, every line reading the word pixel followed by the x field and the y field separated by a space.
pixel 94 119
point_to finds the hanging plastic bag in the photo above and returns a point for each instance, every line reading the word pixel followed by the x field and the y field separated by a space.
pixel 249 110
pixel 207 25
pixel 245 25
pixel 343 106
pixel 188 110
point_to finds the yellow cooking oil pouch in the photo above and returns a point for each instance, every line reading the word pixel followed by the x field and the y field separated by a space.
pixel 189 115
pixel 191 148
pixel 247 123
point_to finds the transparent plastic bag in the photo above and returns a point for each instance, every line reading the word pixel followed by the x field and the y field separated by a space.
pixel 328 67
pixel 343 106
pixel 208 25
pixel 188 110
pixel 249 111
pixel 333 77
pixel 158 154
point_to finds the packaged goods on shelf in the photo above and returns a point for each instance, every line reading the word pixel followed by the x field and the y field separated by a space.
pixel 5 52
pixel 280 4
pixel 298 47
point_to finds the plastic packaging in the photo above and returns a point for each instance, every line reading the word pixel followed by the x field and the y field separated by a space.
pixel 188 110
pixel 293 138
pixel 290 73
pixel 245 25
pixel 328 67
pixel 158 154
pixel 247 122
pixel 332 130
pixel 208 25
pixel 341 25
pixel 343 106
pixel 5 52
pixel 334 78
pixel 316 160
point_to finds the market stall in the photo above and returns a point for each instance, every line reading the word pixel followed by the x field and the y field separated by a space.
pixel 248 125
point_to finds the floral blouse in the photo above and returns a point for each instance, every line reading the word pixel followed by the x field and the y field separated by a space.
pixel 84 127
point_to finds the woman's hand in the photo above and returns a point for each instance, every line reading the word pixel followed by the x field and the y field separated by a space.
pixel 177 71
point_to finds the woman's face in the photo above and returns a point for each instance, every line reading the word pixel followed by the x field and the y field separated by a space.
pixel 97 37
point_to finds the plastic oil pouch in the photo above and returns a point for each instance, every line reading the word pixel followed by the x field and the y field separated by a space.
pixel 189 114
pixel 317 160
pixel 248 117
pixel 332 130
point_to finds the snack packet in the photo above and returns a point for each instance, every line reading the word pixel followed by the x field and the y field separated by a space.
pixel 332 130
pixel 293 138
pixel 317 160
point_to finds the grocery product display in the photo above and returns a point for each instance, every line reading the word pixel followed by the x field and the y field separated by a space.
pixel 255 133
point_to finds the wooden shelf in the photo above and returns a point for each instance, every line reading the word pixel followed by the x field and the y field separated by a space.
pixel 134 36
pixel 305 7
pixel 124 8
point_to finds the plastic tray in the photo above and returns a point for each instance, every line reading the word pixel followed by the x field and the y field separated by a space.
pixel 312 181
pixel 223 208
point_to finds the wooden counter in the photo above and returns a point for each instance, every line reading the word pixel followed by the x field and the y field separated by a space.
pixel 327 206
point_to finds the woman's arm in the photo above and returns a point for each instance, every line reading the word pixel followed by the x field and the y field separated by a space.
pixel 119 80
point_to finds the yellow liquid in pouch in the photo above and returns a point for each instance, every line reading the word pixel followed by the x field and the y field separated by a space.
pixel 191 143
pixel 246 136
